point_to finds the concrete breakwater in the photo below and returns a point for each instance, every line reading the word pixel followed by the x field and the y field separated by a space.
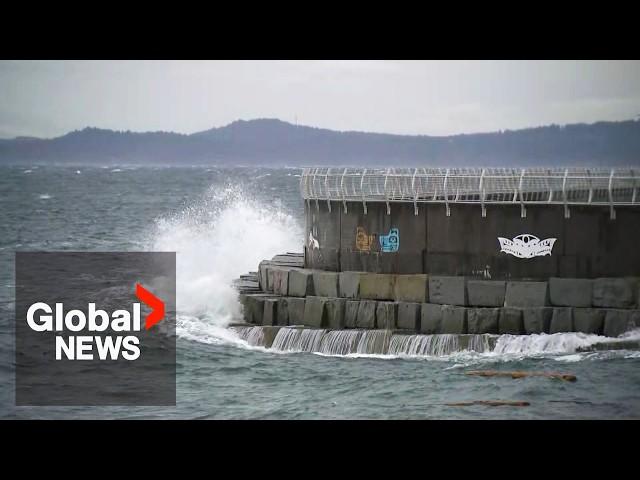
pixel 283 293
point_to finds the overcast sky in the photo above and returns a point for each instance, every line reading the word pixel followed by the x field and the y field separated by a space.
pixel 410 97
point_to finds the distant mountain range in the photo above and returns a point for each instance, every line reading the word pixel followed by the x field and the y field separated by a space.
pixel 273 142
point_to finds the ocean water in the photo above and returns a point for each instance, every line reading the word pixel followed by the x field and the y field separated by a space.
pixel 222 222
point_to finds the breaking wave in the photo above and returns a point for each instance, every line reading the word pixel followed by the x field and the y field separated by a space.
pixel 223 235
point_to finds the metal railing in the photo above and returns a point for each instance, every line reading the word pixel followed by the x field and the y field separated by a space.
pixel 482 186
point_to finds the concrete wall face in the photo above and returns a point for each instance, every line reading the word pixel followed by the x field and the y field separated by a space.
pixel 588 244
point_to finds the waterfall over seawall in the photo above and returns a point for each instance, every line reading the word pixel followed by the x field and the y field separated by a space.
pixel 368 342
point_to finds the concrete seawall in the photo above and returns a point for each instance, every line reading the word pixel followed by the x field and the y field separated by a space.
pixel 285 294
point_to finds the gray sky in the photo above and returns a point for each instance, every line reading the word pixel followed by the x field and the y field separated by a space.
pixel 411 97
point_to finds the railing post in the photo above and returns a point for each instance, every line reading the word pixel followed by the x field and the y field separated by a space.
pixel 523 209
pixel 364 202
pixel 481 190
pixel 612 211
pixel 567 213
pixel 446 195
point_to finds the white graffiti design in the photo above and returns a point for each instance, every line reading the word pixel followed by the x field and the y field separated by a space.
pixel 313 243
pixel 526 246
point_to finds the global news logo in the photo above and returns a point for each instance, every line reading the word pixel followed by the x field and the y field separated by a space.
pixel 41 317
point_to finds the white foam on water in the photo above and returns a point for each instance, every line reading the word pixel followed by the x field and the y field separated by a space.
pixel 223 235
pixel 44 196
pixel 542 343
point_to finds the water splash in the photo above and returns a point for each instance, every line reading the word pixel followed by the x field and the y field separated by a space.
pixel 543 343
pixel 223 235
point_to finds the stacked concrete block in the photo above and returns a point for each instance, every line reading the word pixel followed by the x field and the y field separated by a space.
pixel 254 308
pixel 562 320
pixel 482 320
pixel 325 284
pixel 376 286
pixel 617 322
pixel 614 292
pixel 454 319
pixel 351 313
pixel 295 308
pixel 263 275
pixel 279 280
pixel 570 292
pixel 510 321
pixel 335 311
pixel 366 317
pixel 283 312
pixel 301 283
pixel 537 319
pixel 588 320
pixel 411 288
pixel 315 312
pixel 409 316
pixel 386 315
pixel 448 290
pixel 270 315
pixel 431 318
pixel 526 294
pixel 349 284
pixel 486 293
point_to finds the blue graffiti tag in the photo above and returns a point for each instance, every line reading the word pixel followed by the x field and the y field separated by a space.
pixel 391 242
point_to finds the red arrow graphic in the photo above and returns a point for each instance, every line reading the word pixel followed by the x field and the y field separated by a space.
pixel 157 306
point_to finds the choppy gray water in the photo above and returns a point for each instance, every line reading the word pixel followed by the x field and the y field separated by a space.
pixel 222 222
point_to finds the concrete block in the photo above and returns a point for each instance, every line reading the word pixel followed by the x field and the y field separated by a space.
pixel 301 283
pixel 283 312
pixel 537 319
pixel 588 320
pixel 270 315
pixel 510 321
pixel 386 315
pixel 254 309
pixel 349 284
pixel 527 294
pixel 325 284
pixel 366 314
pixel 431 318
pixel 336 313
pixel 454 319
pixel 570 292
pixel 614 292
pixel 482 320
pixel 296 310
pixel 351 313
pixel 262 275
pixel 448 290
pixel 411 288
pixel 486 293
pixel 562 320
pixel 409 316
pixel 315 313
pixel 617 322
pixel 376 286
pixel 279 280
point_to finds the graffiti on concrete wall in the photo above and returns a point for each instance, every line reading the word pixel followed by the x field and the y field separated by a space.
pixel 312 243
pixel 390 242
pixel 387 243
pixel 364 242
pixel 526 246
